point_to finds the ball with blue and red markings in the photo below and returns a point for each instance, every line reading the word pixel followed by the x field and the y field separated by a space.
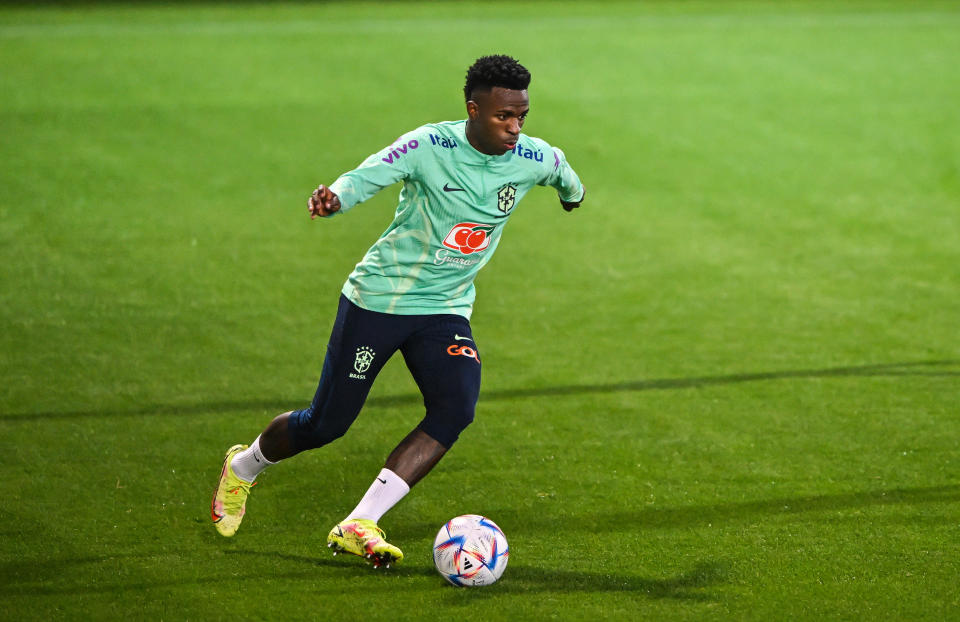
pixel 471 551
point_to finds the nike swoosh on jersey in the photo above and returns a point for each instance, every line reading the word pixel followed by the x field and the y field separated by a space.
pixel 459 338
pixel 447 188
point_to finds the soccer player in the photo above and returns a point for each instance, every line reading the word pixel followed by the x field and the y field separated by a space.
pixel 413 292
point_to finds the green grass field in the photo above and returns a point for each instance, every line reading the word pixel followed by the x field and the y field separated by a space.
pixel 725 388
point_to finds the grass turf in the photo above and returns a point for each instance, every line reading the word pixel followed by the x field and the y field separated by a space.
pixel 724 388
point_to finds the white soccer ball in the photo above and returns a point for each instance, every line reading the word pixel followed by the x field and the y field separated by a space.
pixel 470 551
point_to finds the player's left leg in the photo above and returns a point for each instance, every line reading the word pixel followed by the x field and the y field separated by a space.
pixel 445 363
pixel 359 533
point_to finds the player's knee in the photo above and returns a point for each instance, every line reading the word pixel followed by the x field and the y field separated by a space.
pixel 446 425
pixel 309 430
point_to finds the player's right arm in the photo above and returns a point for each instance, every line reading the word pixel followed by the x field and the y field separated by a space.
pixel 323 202
pixel 384 168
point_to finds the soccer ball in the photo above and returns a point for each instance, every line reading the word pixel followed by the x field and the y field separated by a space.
pixel 471 550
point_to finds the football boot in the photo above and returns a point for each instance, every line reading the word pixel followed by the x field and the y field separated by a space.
pixel 230 499
pixel 361 536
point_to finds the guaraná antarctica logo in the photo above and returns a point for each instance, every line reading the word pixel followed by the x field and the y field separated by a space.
pixel 469 237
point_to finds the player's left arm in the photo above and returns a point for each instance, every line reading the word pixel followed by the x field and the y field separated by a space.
pixel 560 175
pixel 572 205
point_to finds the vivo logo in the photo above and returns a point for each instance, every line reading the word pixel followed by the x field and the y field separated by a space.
pixel 396 152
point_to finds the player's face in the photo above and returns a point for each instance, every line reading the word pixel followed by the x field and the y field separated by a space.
pixel 495 119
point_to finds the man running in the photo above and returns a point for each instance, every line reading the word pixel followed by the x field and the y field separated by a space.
pixel 413 292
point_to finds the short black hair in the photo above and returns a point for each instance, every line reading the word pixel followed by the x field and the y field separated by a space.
pixel 496 70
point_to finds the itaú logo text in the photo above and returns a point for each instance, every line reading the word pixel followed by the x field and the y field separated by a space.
pixel 469 237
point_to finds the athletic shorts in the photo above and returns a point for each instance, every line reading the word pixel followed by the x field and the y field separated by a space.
pixel 439 351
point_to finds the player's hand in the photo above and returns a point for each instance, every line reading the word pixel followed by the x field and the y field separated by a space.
pixel 323 202
pixel 570 206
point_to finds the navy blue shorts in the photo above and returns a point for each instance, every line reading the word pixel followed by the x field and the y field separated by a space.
pixel 438 349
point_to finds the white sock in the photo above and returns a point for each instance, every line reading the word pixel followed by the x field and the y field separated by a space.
pixel 382 495
pixel 250 462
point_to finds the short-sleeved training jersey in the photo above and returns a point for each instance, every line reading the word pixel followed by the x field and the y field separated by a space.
pixel 453 206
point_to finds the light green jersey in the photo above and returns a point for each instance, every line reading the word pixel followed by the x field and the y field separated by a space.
pixel 453 207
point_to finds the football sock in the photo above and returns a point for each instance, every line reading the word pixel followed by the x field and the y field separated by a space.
pixel 250 462
pixel 387 489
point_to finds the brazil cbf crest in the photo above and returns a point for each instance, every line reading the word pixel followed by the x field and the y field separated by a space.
pixel 506 198
pixel 363 361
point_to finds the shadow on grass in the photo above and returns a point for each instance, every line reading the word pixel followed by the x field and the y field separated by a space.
pixel 688 586
pixel 71 575
pixel 67 576
pixel 523 578
pixel 750 511
pixel 940 368
pixel 634 520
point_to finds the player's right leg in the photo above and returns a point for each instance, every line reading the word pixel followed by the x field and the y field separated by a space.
pixel 230 498
pixel 241 466
pixel 355 354
pixel 361 343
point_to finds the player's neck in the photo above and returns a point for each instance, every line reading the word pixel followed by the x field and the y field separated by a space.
pixel 471 131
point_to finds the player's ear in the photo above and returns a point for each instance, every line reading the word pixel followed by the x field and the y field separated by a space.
pixel 473 110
